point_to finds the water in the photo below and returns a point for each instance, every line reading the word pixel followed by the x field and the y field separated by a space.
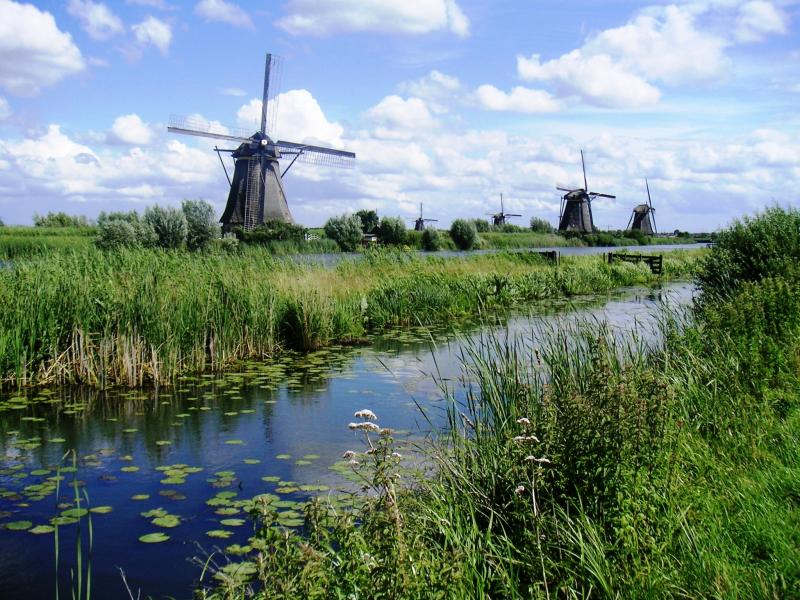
pixel 285 420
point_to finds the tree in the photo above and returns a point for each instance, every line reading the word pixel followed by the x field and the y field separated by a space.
pixel 431 241
pixel 60 219
pixel 481 225
pixel 116 233
pixel 369 220
pixel 540 225
pixel 169 225
pixel 201 224
pixel 345 230
pixel 464 234
pixel 392 230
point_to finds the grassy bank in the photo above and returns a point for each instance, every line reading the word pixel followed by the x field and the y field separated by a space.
pixel 22 242
pixel 137 317
pixel 588 466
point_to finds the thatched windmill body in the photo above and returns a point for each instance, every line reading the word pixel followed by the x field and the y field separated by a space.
pixel 256 193
pixel 419 223
pixel 576 206
pixel 643 217
pixel 499 219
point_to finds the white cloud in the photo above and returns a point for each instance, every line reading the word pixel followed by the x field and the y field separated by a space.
pixel 130 129
pixel 300 120
pixel 398 118
pixel 154 32
pixel 225 12
pixel 520 99
pixel 5 109
pixel 237 92
pixel 436 88
pixel 96 18
pixel 326 17
pixel 34 52
pixel 757 19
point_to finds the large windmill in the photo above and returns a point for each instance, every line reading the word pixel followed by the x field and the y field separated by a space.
pixel 643 217
pixel 576 206
pixel 256 193
pixel 499 219
pixel 419 224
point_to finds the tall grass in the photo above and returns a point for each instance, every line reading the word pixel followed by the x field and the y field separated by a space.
pixel 136 317
pixel 21 242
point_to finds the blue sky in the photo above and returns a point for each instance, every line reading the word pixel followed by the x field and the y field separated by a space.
pixel 445 102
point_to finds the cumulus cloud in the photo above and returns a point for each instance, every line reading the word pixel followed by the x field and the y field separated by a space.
pixel 224 12
pixel 153 32
pixel 236 92
pixel 5 109
pixel 96 19
pixel 436 88
pixel 130 129
pixel 326 17
pixel 399 118
pixel 757 19
pixel 520 99
pixel 34 52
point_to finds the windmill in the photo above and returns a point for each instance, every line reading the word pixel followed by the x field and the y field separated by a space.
pixel 576 206
pixel 643 217
pixel 419 224
pixel 256 194
pixel 499 219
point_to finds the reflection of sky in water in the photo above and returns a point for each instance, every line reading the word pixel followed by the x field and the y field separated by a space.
pixel 298 406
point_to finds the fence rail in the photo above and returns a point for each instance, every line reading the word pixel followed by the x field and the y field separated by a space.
pixel 656 263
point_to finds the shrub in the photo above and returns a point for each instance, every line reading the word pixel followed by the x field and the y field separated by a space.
pixel 369 220
pixel 60 219
pixel 639 236
pixel 481 225
pixel 169 225
pixel 201 224
pixel 272 231
pixel 431 241
pixel 508 228
pixel 464 234
pixel 540 225
pixel 392 230
pixel 116 233
pixel 345 230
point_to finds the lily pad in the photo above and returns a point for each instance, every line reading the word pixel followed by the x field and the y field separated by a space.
pixel 237 572
pixel 140 496
pixel 19 525
pixel 167 521
pixel 234 442
pixel 129 469
pixel 75 512
pixel 251 461
pixel 283 456
pixel 271 479
pixel 154 538
pixel 219 533
pixel 130 430
pixel 162 443
pixel 232 522
pixel 42 529
pixel 101 510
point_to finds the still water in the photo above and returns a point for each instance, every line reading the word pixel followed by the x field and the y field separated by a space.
pixel 178 465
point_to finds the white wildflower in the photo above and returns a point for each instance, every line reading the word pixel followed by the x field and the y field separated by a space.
pixel 519 490
pixel 364 426
pixel 524 421
pixel 348 454
pixel 521 439
pixel 367 414
pixel 541 461
pixel 397 455
pixel 386 431
pixel 353 462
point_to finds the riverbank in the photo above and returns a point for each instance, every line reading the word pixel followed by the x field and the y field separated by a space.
pixel 587 464
pixel 144 317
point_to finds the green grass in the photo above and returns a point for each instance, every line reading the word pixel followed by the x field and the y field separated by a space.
pixel 21 242
pixel 139 317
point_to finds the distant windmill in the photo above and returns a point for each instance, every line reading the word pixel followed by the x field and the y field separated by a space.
pixel 256 193
pixel 419 224
pixel 576 206
pixel 499 219
pixel 643 217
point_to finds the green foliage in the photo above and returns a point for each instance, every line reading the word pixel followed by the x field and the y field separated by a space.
pixel 116 233
pixel 2 224
pixel 508 228
pixel 392 230
pixel 369 220
pixel 540 225
pixel 637 235
pixel 201 224
pixel 60 219
pixel 464 234
pixel 431 240
pixel 272 231
pixel 481 225
pixel 345 230
pixel 169 225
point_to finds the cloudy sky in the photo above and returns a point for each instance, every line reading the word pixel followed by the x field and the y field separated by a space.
pixel 445 102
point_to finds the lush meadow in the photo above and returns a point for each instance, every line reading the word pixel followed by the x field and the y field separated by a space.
pixel 136 317
pixel 587 466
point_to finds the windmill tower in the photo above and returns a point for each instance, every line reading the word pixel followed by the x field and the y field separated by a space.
pixel 419 224
pixel 257 193
pixel 576 206
pixel 499 219
pixel 643 217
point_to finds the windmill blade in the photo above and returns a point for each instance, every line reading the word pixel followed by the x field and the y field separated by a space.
pixel 595 194
pixel 583 164
pixel 560 189
pixel 317 155
pixel 201 128
pixel 273 70
pixel 649 201
pixel 513 215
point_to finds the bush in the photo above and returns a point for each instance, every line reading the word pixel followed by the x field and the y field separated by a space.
pixel 60 219
pixel 201 224
pixel 116 233
pixel 392 230
pixel 431 241
pixel 540 225
pixel 508 228
pixel 464 234
pixel 345 230
pixel 481 225
pixel 169 225
pixel 272 231
pixel 369 220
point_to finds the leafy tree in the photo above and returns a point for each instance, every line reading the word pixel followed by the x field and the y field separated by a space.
pixel 464 234
pixel 540 225
pixel 201 224
pixel 345 230
pixel 369 220
pixel 392 230
pixel 116 233
pixel 60 219
pixel 481 225
pixel 169 225
pixel 431 241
